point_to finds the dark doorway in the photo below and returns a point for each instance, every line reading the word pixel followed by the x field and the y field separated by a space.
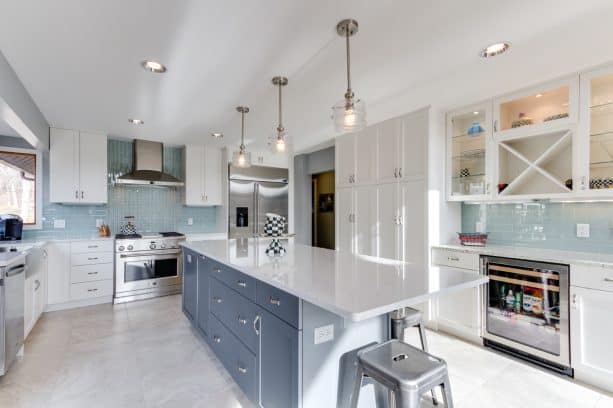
pixel 322 219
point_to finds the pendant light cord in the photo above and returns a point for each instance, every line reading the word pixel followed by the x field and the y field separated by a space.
pixel 348 61
pixel 280 109
pixel 242 147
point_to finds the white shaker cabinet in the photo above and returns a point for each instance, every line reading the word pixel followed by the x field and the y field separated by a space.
pixel 365 220
pixel 77 167
pixel 389 142
pixel 203 176
pixel 591 334
pixel 34 297
pixel 389 219
pixel 58 282
pixel 345 163
pixel 366 156
pixel 345 219
pixel 414 140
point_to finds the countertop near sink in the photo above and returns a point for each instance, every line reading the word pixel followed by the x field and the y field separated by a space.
pixel 537 254
pixel 8 257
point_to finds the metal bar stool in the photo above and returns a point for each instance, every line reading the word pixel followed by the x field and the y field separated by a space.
pixel 403 369
pixel 348 375
pixel 404 318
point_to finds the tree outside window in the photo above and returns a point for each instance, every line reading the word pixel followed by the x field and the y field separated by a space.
pixel 18 185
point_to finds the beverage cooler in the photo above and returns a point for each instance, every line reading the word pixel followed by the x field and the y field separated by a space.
pixel 526 310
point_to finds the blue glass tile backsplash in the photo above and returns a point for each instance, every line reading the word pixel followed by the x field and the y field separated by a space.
pixel 543 225
pixel 154 208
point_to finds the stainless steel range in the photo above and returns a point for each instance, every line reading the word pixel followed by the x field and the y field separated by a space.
pixel 147 265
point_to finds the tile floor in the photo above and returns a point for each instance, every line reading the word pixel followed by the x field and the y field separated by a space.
pixel 145 354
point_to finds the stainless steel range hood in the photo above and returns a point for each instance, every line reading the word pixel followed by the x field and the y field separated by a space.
pixel 149 166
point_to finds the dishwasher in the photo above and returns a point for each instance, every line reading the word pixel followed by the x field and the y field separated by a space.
pixel 12 289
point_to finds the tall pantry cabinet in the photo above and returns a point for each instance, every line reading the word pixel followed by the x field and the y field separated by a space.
pixel 381 203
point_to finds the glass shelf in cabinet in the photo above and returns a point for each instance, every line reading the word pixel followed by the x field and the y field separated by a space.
pixel 470 177
pixel 466 135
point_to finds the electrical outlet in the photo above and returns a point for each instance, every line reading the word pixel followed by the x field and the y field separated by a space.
pixel 323 334
pixel 60 224
pixel 190 221
pixel 583 230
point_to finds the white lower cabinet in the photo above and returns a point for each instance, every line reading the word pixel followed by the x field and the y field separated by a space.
pixel 591 334
pixel 34 296
pixel 58 286
pixel 459 313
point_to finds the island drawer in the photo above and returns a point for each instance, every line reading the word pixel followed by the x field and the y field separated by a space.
pixel 455 259
pixel 238 360
pixel 279 303
pixel 236 312
pixel 236 280
pixel 598 277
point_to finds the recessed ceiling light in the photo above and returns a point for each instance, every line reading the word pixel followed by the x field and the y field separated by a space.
pixel 136 121
pixel 475 112
pixel 495 49
pixel 217 135
pixel 153 66
pixel 538 95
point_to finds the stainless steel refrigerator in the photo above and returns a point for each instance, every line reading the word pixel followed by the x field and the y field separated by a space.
pixel 255 191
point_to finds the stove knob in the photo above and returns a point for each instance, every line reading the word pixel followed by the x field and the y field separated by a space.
pixel 130 247
pixel 152 246
pixel 121 248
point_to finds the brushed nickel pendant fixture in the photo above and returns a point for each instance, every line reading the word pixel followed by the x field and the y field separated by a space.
pixel 279 142
pixel 349 115
pixel 242 158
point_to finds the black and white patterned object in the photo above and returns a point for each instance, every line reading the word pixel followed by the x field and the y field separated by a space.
pixel 275 225
pixel 275 248
pixel 464 172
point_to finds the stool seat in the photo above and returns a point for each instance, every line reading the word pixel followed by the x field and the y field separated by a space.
pixel 401 365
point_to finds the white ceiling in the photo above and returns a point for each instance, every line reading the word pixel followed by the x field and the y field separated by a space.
pixel 80 60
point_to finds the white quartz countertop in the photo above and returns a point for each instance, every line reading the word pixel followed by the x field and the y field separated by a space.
pixel 8 257
pixel 536 254
pixel 351 286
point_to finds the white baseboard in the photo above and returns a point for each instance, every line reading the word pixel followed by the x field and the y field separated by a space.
pixel 79 303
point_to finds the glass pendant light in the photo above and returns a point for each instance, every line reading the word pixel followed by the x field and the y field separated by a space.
pixel 349 114
pixel 279 141
pixel 242 158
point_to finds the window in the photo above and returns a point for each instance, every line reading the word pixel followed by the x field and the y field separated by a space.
pixel 19 184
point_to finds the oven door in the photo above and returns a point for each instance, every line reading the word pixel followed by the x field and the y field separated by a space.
pixel 145 271
pixel 526 307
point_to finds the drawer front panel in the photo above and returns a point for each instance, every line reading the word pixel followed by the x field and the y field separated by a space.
pixel 234 279
pixel 89 273
pixel 592 277
pixel 222 299
pixel 279 303
pixel 242 322
pixel 89 290
pixel 455 259
pixel 82 247
pixel 91 258
pixel 238 360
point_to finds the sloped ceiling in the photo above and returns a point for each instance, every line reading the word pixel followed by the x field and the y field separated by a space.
pixel 80 60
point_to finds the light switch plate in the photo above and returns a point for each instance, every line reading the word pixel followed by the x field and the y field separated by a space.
pixel 323 334
pixel 190 221
pixel 583 230
pixel 59 224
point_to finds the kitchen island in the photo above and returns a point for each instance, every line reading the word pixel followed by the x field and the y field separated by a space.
pixel 280 325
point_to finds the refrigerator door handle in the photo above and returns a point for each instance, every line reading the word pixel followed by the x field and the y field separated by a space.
pixel 256 191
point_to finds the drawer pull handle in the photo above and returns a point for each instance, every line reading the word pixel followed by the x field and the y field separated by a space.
pixel 242 284
pixel 92 246
pixel 453 258
pixel 217 270
pixel 37 282
pixel 217 299
pixel 242 370
pixel 92 290
pixel 242 320
pixel 608 279
pixel 92 259
pixel 217 339
pixel 92 273
pixel 274 301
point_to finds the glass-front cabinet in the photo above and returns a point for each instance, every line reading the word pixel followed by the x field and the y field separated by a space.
pixel 539 109
pixel 597 126
pixel 469 135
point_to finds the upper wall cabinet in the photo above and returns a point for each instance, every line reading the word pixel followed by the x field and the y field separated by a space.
pixel 203 176
pixel 77 167
pixel 469 133
pixel 365 155
pixel 345 154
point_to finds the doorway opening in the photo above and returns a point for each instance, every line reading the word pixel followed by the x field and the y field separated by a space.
pixel 322 219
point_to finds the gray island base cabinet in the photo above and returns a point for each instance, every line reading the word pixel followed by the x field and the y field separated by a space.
pixel 282 349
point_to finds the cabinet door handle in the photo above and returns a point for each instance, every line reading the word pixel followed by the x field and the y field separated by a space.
pixel 453 258
pixel 217 299
pixel 92 246
pixel 274 301
pixel 217 270
pixel 242 320
pixel 242 370
pixel 92 259
pixel 92 273
pixel 400 172
pixel 242 284
pixel 37 283
pixel 82 194
pixel 574 301
pixel 92 290
pixel 76 194
pixel 608 279
pixel 496 125
pixel 395 172
pixel 217 339
pixel 206 197
pixel 256 325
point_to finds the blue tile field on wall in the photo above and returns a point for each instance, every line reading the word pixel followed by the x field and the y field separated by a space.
pixel 543 224
pixel 154 208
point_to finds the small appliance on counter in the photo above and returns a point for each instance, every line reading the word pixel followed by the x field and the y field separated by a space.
pixel 11 226
pixel 472 238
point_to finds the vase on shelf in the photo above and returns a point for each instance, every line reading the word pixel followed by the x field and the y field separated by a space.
pixel 274 227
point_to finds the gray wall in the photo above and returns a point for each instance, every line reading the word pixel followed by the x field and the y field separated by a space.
pixel 18 110
pixel 16 142
pixel 305 165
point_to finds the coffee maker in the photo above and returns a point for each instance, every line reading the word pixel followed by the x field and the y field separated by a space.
pixel 11 226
